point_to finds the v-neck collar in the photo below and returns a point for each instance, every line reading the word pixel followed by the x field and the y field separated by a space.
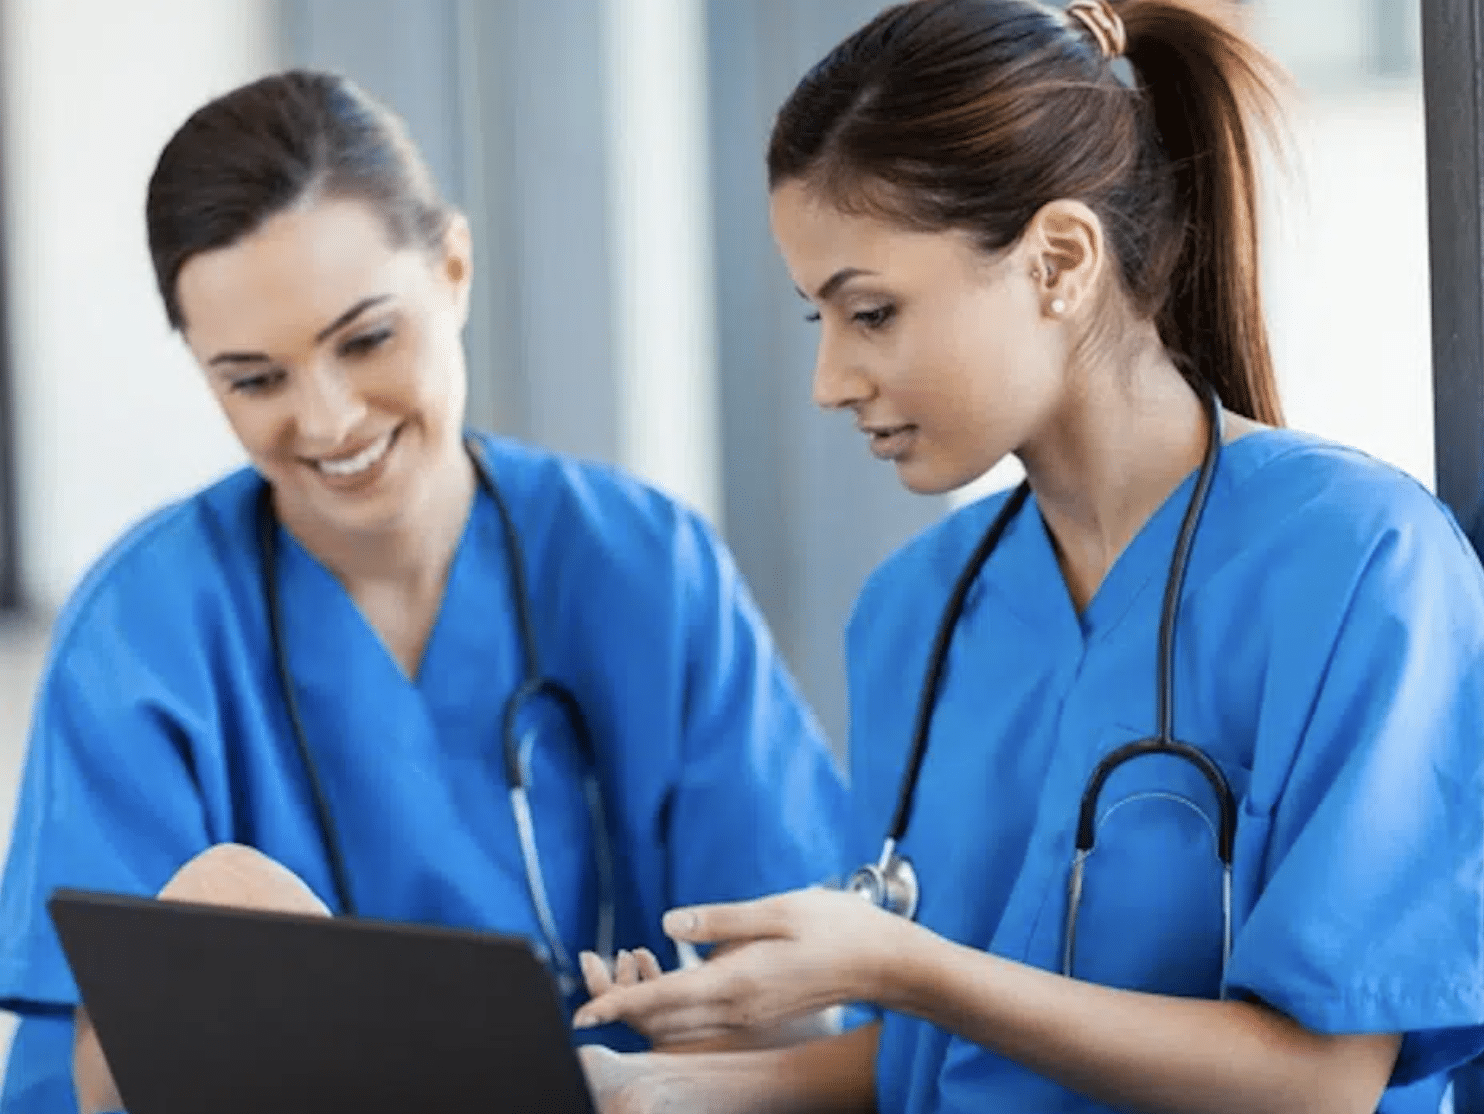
pixel 342 617
pixel 1025 573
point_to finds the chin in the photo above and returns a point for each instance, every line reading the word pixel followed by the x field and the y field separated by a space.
pixel 926 481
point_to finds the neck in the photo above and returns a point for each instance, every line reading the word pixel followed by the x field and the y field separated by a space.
pixel 411 555
pixel 1126 437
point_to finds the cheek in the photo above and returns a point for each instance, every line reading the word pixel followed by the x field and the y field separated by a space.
pixel 263 426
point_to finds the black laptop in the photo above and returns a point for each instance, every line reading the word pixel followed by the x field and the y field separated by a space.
pixel 205 1009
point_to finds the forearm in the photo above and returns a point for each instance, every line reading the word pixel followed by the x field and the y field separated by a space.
pixel 1128 1050
pixel 96 1092
pixel 835 1075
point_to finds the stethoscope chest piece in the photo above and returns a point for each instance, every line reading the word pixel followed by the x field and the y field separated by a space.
pixel 890 883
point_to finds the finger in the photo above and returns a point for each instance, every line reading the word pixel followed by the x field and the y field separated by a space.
pixel 625 969
pixel 649 966
pixel 595 974
pixel 691 1026
pixel 744 920
pixel 644 1000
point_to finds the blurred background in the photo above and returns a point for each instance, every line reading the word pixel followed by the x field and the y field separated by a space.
pixel 629 305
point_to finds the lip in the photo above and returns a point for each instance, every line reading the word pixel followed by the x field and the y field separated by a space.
pixel 358 480
pixel 890 442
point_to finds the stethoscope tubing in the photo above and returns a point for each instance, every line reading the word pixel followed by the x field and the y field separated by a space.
pixel 534 685
pixel 892 882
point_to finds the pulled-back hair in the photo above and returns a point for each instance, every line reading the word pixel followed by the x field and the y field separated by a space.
pixel 974 114
pixel 268 145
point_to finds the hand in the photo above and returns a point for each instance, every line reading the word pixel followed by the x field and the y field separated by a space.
pixel 654 1083
pixel 787 956
pixel 629 968
pixel 619 1083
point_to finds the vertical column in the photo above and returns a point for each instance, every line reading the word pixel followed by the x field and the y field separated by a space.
pixel 10 586
pixel 1453 80
pixel 660 209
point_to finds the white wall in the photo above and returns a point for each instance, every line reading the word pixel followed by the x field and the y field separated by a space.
pixel 110 416
pixel 1346 276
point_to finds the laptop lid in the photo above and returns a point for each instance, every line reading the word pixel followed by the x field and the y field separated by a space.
pixel 203 1008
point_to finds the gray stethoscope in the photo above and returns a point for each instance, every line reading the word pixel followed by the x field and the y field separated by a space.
pixel 517 743
pixel 891 882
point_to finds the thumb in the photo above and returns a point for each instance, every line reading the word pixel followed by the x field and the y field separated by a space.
pixel 717 924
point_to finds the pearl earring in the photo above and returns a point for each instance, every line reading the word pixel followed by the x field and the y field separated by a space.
pixel 1058 306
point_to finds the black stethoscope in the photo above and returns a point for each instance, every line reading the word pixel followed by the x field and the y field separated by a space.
pixel 517 743
pixel 891 882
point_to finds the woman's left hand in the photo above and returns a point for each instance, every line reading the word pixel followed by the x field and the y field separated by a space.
pixel 787 956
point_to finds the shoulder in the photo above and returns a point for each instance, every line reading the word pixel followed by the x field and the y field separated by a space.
pixel 161 568
pixel 1316 512
pixel 580 505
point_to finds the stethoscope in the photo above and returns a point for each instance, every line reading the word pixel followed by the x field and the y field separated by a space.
pixel 891 882
pixel 518 744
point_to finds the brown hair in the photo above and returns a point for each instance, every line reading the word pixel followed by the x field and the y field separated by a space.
pixel 262 148
pixel 973 114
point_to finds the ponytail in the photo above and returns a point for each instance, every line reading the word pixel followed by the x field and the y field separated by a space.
pixel 1207 86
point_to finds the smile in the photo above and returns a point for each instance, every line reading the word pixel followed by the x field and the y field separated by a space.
pixel 367 458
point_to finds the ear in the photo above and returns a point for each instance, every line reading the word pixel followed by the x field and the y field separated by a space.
pixel 1068 255
pixel 456 264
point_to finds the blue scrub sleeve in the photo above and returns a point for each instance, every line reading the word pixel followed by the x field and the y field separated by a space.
pixel 760 804
pixel 38 1079
pixel 1368 856
pixel 107 799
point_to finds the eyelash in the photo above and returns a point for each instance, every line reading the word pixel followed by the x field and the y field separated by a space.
pixel 257 384
pixel 866 318
pixel 366 343
pixel 355 348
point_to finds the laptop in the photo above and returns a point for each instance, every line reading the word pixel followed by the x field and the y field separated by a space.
pixel 202 1008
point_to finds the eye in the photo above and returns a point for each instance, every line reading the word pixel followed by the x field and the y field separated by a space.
pixel 874 318
pixel 365 343
pixel 256 384
pixel 812 315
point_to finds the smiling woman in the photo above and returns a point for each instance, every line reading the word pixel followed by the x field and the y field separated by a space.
pixel 393 657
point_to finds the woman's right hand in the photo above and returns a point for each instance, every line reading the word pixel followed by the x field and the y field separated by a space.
pixel 639 966
pixel 787 957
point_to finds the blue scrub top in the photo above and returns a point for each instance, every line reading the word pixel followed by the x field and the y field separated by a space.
pixel 160 730
pixel 1330 657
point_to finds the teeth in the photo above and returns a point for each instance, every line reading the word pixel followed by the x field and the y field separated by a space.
pixel 358 463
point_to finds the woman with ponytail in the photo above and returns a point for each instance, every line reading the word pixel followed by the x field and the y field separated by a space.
pixel 1032 231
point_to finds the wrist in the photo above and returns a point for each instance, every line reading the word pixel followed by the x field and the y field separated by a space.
pixel 896 965
pixel 910 973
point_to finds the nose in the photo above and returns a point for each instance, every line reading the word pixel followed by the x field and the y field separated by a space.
pixel 839 383
pixel 329 408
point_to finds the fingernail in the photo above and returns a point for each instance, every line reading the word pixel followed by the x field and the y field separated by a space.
pixel 581 1020
pixel 679 922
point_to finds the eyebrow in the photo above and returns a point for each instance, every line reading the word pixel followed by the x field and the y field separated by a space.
pixel 835 281
pixel 355 311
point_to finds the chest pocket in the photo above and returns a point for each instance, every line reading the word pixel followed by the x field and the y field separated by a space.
pixel 1149 915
